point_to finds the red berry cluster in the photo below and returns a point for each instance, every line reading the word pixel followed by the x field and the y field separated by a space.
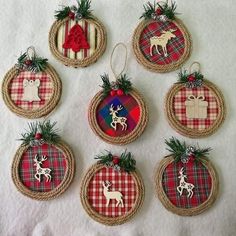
pixel 38 136
pixel 191 78
pixel 118 92
pixel 28 62
pixel 158 11
pixel 116 160
pixel 71 15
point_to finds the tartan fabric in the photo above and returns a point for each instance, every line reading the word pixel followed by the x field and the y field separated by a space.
pixel 197 174
pixel 56 161
pixel 90 32
pixel 131 111
pixel 175 46
pixel 179 107
pixel 16 90
pixel 121 181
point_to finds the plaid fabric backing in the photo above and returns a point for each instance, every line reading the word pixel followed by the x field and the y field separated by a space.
pixel 131 111
pixel 56 161
pixel 90 32
pixel 175 46
pixel 122 182
pixel 16 90
pixel 180 108
pixel 197 174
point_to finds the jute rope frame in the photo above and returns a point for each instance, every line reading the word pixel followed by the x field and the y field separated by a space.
pixel 184 211
pixel 77 62
pixel 153 66
pixel 40 112
pixel 68 177
pixel 194 133
pixel 121 140
pixel 105 219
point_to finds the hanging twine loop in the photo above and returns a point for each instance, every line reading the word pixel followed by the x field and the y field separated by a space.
pixel 31 53
pixel 115 76
pixel 195 67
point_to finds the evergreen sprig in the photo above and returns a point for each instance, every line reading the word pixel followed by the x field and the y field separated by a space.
pixel 150 10
pixel 46 129
pixel 183 76
pixel 63 13
pixel 126 161
pixel 178 149
pixel 124 83
pixel 34 64
pixel 106 85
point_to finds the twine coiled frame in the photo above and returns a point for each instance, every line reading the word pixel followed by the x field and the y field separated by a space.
pixel 153 66
pixel 188 132
pixel 105 219
pixel 40 112
pixel 68 177
pixel 92 117
pixel 77 62
pixel 186 211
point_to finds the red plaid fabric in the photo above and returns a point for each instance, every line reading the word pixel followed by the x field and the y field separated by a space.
pixel 175 46
pixel 197 174
pixel 131 111
pixel 56 161
pixel 122 182
pixel 180 108
pixel 16 89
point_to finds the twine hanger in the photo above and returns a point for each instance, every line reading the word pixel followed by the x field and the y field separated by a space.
pixel 31 53
pixel 197 65
pixel 125 63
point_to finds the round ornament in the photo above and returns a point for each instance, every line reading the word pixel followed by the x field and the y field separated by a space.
pixel 194 106
pixel 77 38
pixel 112 190
pixel 43 166
pixel 161 42
pixel 32 88
pixel 118 113
pixel 186 182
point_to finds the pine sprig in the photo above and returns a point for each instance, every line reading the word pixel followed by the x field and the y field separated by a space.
pixel 106 85
pixel 183 76
pixel 149 10
pixel 104 158
pixel 63 13
pixel 47 130
pixel 179 149
pixel 124 83
pixel 84 8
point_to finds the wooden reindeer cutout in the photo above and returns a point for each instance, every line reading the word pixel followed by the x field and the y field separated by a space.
pixel 31 90
pixel 116 119
pixel 184 185
pixel 112 194
pixel 162 41
pixel 41 171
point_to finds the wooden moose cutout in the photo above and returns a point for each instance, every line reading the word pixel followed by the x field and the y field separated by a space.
pixel 112 194
pixel 116 119
pixel 41 171
pixel 31 90
pixel 162 41
pixel 184 185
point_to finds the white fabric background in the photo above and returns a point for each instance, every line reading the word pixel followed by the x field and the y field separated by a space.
pixel 212 26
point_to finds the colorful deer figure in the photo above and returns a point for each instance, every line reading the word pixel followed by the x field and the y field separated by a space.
pixel 162 41
pixel 112 194
pixel 184 185
pixel 41 171
pixel 116 119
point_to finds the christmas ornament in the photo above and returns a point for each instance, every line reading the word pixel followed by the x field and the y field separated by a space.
pixel 117 113
pixel 111 190
pixel 31 88
pixel 186 181
pixel 194 106
pixel 43 166
pixel 161 42
pixel 77 38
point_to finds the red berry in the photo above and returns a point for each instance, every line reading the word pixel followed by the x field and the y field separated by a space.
pixel 191 78
pixel 116 160
pixel 38 136
pixel 158 11
pixel 120 92
pixel 112 92
pixel 28 62
pixel 72 15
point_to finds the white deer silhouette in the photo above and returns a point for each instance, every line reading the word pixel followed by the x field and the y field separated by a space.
pixel 41 171
pixel 184 185
pixel 162 41
pixel 112 194
pixel 116 119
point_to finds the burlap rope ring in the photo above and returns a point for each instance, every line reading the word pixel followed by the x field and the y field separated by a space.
pixel 118 113
pixel 197 203
pixel 111 214
pixel 31 93
pixel 161 43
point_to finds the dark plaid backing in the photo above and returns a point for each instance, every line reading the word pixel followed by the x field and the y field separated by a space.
pixel 197 174
pixel 131 111
pixel 175 46
pixel 55 161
